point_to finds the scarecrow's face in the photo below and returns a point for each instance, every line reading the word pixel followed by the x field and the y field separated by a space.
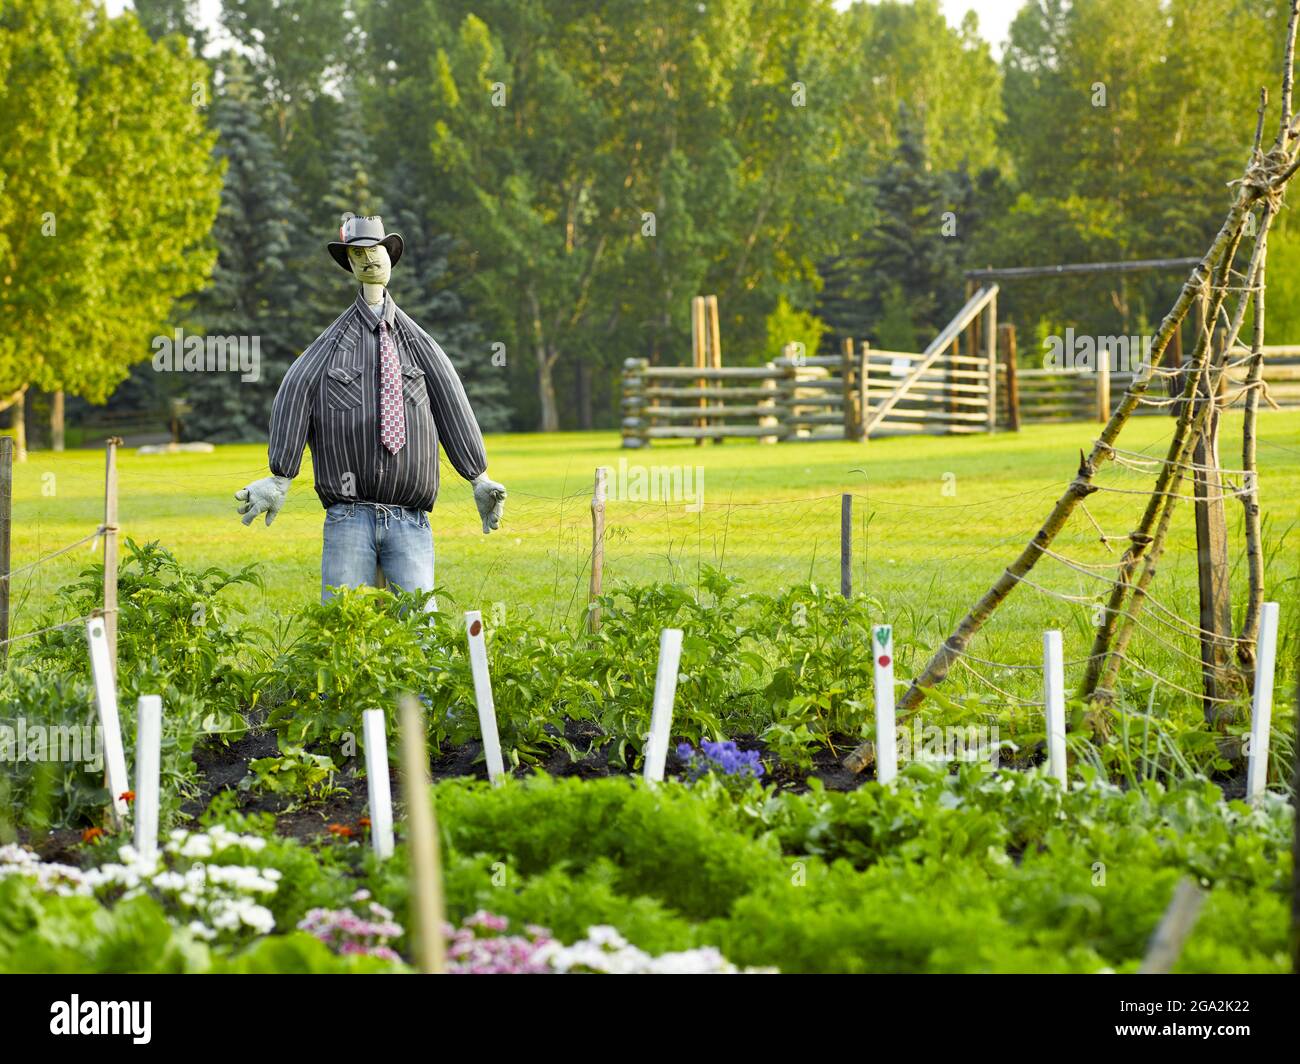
pixel 371 265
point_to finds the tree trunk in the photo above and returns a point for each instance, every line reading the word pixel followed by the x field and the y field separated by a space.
pixel 582 392
pixel 56 420
pixel 550 413
pixel 20 426
pixel 549 420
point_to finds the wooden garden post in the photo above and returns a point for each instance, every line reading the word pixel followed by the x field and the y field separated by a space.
pixel 1167 940
pixel 991 356
pixel 852 413
pixel 846 545
pixel 713 330
pixel 864 386
pixel 635 422
pixel 1008 331
pixel 1103 385
pixel 110 548
pixel 789 390
pixel 970 329
pixel 713 333
pixel 598 493
pixel 772 421
pixel 950 378
pixel 430 948
pixel 699 356
pixel 6 519
pixel 1215 593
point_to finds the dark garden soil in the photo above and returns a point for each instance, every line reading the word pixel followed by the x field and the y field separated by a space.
pixel 342 813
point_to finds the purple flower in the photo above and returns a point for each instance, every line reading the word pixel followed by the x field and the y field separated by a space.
pixel 723 758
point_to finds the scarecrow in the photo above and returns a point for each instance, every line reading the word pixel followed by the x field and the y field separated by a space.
pixel 373 397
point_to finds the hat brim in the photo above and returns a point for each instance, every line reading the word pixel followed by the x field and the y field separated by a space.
pixel 392 241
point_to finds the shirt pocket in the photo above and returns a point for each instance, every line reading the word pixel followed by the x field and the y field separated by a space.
pixel 413 386
pixel 343 386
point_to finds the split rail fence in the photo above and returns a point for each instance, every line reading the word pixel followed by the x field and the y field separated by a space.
pixel 858 393
pixel 1038 395
pixel 967 380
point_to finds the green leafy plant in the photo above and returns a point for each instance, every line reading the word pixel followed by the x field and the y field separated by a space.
pixel 295 772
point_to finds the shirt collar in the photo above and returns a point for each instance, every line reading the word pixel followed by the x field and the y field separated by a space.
pixel 368 314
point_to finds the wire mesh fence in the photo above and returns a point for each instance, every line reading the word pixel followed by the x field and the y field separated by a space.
pixel 921 553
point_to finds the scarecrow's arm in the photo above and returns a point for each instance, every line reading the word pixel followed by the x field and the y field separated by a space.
pixel 458 429
pixel 290 424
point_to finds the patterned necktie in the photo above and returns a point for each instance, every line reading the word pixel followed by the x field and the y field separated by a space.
pixel 392 411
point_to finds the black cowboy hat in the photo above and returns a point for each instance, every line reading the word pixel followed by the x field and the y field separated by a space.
pixel 364 233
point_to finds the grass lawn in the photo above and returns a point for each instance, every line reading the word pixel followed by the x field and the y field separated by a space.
pixel 936 520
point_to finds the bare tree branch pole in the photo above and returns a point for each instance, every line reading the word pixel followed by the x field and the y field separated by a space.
pixel 1140 539
pixel 1262 179
pixel 1250 498
pixel 1204 377
pixel 1288 65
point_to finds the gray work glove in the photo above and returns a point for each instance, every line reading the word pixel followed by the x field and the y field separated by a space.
pixel 263 496
pixel 488 497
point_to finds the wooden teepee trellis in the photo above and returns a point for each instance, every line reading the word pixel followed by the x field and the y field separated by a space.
pixel 1222 295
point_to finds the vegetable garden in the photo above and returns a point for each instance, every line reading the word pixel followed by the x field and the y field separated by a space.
pixel 759 851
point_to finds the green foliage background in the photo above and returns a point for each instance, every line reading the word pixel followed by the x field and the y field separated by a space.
pixel 568 175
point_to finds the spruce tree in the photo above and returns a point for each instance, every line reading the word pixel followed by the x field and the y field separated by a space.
pixel 906 273
pixel 255 287
pixel 422 287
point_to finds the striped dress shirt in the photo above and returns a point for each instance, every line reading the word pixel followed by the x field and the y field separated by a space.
pixel 329 401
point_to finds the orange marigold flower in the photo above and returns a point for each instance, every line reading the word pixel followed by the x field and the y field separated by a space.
pixel 341 830
pixel 91 834
pixel 127 796
pixel 363 822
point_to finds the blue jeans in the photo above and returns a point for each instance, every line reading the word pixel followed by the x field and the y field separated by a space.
pixel 361 535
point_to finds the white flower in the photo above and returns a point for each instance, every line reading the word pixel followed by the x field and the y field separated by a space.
pixel 259 918
pixel 604 935
pixel 201 930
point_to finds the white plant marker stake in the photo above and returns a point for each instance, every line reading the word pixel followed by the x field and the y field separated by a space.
pixel 101 669
pixel 661 715
pixel 378 788
pixel 487 709
pixel 148 764
pixel 1054 703
pixel 1261 703
pixel 882 650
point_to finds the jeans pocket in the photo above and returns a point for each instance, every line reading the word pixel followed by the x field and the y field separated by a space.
pixel 340 511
